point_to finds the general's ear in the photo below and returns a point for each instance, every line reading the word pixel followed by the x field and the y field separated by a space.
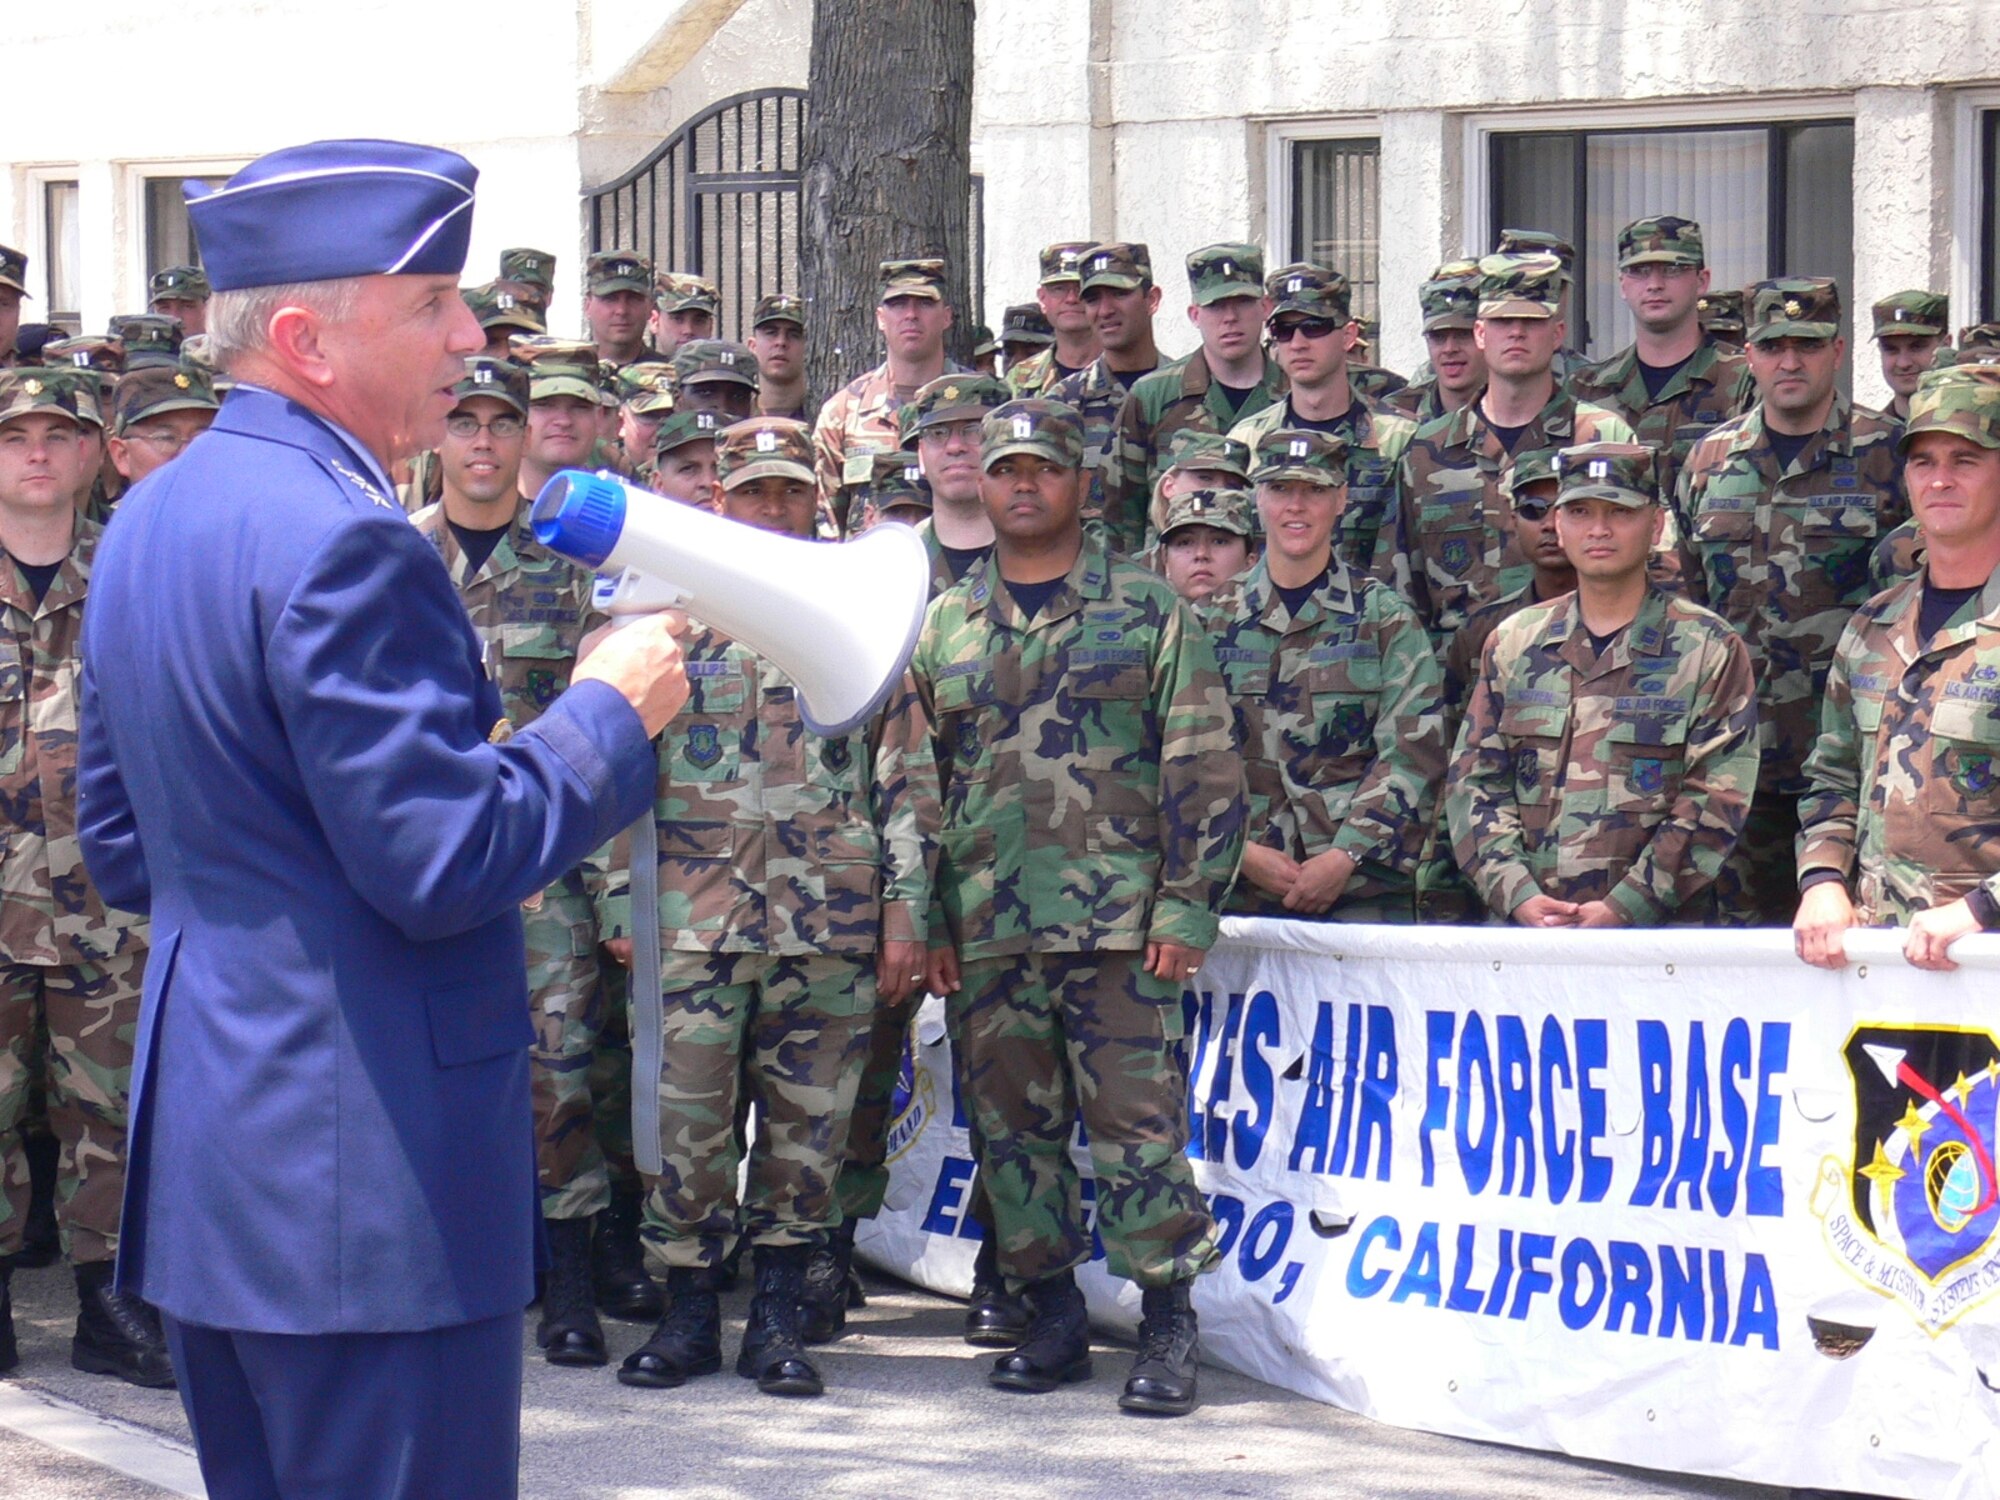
pixel 293 340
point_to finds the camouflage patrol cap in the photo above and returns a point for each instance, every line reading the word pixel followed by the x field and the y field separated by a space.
pixel 1664 239
pixel 1313 291
pixel 505 380
pixel 1226 270
pixel 496 306
pixel 179 284
pixel 1721 312
pixel 1535 466
pixel 1450 299
pixel 1025 323
pixel 611 271
pixel 1300 453
pixel 1626 474
pixel 646 385
pixel 149 339
pixel 13 270
pixel 25 392
pixel 1188 449
pixel 1960 399
pixel 1520 284
pixel 157 390
pixel 954 398
pixel 536 268
pixel 920 277
pixel 556 367
pixel 1914 312
pixel 1122 265
pixel 984 340
pixel 1793 307
pixel 1048 429
pixel 1233 511
pixel 1538 242
pixel 1063 261
pixel 761 448
pixel 700 360
pixel 896 479
pixel 86 351
pixel 685 427
pixel 779 307
pixel 679 291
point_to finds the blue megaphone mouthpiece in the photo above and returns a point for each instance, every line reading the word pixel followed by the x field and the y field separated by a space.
pixel 580 515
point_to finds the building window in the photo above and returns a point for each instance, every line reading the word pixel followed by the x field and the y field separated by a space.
pixel 169 234
pixel 1989 217
pixel 1772 200
pixel 1336 203
pixel 62 244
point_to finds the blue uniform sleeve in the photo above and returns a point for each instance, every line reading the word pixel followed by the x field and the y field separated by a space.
pixel 106 829
pixel 375 674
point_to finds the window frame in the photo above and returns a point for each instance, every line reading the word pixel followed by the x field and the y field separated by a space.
pixel 135 174
pixel 1281 165
pixel 35 183
pixel 1975 124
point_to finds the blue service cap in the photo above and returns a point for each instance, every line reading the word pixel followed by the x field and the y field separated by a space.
pixel 334 209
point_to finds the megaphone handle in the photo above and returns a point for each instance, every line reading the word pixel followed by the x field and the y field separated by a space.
pixel 648 1017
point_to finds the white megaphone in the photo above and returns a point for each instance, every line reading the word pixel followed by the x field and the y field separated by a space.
pixel 840 619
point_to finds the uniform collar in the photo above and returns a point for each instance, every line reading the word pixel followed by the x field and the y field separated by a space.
pixel 1336 595
pixel 256 411
pixel 1088 579
pixel 1646 636
pixel 71 583
pixel 1837 431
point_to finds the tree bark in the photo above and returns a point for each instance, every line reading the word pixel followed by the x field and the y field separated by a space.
pixel 886 170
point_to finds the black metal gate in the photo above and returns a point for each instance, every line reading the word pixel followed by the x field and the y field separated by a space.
pixel 719 198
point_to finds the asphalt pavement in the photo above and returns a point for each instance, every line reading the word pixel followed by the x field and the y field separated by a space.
pixel 907 1414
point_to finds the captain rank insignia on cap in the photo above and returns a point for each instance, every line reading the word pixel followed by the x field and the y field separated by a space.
pixel 482 375
pixel 767 442
pixel 1300 447
pixel 1024 427
pixel 1600 468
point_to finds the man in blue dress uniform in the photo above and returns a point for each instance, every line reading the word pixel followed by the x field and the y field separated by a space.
pixel 291 758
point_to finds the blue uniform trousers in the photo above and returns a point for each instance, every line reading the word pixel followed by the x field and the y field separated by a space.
pixel 338 1416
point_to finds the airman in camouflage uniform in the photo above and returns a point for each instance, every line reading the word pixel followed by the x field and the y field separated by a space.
pixel 1207 542
pixel 683 466
pixel 1603 782
pixel 1093 817
pixel 1568 359
pixel 794 889
pixel 1781 550
pixel 532 610
pixel 1530 484
pixel 1900 825
pixel 778 339
pixel 1197 461
pixel 942 423
pixel 1225 380
pixel 1112 273
pixel 70 969
pixel 1721 315
pixel 1338 700
pixel 1662 269
pixel 1025 333
pixel 863 417
pixel 617 303
pixel 150 341
pixel 1060 296
pixel 13 287
pixel 181 292
pixel 1452 547
pixel 1304 300
pixel 685 308
pixel 1910 327
pixel 502 312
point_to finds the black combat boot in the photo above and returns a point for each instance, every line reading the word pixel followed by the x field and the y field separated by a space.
pixel 569 1332
pixel 774 1354
pixel 117 1334
pixel 1163 1375
pixel 618 1265
pixel 688 1340
pixel 823 1312
pixel 10 1355
pixel 1056 1348
pixel 996 1318
pixel 41 1241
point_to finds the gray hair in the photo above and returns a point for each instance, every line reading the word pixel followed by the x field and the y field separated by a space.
pixel 239 322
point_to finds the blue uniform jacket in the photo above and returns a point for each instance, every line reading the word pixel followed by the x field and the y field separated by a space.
pixel 285 758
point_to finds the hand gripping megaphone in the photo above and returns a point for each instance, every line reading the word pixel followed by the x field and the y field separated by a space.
pixel 840 620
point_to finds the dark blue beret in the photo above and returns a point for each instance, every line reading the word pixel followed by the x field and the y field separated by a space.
pixel 334 209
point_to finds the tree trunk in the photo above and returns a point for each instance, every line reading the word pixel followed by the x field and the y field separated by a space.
pixel 886 168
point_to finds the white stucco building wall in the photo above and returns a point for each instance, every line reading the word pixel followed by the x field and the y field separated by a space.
pixel 1134 119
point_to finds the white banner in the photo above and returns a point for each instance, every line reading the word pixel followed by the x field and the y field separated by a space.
pixel 1670 1199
